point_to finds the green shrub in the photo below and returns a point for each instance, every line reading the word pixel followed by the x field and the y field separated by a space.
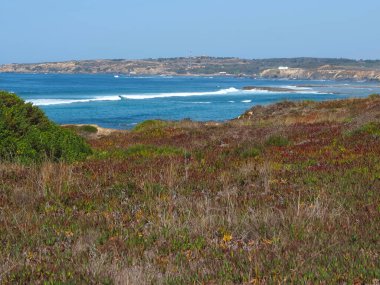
pixel 27 135
pixel 374 96
pixel 149 125
pixel 88 129
pixel 152 128
pixel 277 141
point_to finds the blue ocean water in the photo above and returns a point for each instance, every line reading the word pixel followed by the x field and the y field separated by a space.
pixel 119 101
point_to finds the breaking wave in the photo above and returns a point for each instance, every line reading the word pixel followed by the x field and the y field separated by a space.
pixel 47 102
pixel 227 91
pixel 180 94
pixel 297 88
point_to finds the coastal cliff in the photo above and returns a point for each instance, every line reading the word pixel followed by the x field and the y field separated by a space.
pixel 322 73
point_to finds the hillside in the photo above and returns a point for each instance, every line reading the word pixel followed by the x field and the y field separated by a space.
pixel 286 193
pixel 323 73
pixel 305 68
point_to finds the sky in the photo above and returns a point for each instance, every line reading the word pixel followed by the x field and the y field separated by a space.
pixel 47 30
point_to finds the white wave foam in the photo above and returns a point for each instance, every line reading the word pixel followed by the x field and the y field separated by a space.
pixel 228 91
pixel 231 90
pixel 296 88
pixel 47 102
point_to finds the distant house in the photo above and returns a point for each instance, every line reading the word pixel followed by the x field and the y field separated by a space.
pixel 222 73
pixel 283 67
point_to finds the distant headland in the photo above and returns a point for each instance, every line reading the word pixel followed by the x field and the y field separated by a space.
pixel 290 68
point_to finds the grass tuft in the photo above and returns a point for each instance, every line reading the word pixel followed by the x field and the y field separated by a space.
pixel 276 140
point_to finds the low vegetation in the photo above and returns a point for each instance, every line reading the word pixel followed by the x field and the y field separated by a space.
pixel 289 193
pixel 277 141
pixel 371 128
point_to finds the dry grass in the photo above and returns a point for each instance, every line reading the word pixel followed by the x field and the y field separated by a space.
pixel 235 203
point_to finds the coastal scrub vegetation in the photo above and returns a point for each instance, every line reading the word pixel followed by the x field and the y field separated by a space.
pixel 288 193
pixel 88 129
pixel 27 135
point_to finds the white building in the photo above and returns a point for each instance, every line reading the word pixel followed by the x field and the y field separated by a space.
pixel 283 67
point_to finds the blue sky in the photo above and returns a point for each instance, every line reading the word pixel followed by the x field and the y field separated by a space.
pixel 47 30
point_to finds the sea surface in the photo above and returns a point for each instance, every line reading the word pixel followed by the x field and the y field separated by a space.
pixel 120 101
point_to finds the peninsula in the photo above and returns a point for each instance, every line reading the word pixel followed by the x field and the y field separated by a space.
pixel 291 68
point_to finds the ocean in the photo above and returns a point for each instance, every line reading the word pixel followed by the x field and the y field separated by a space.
pixel 121 102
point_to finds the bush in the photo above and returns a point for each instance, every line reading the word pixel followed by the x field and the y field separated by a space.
pixel 88 129
pixel 149 125
pixel 152 128
pixel 277 141
pixel 27 135
pixel 374 96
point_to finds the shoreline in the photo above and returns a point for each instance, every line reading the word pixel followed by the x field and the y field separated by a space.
pixel 354 80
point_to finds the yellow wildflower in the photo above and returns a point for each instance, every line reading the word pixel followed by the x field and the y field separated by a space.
pixel 227 237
